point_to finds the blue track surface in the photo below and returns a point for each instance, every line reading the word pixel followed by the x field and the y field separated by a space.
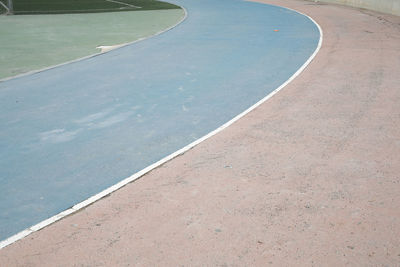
pixel 72 131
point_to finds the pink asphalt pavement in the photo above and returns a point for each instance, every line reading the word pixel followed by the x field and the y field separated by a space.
pixel 311 177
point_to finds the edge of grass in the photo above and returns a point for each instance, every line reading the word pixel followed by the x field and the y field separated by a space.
pixel 32 72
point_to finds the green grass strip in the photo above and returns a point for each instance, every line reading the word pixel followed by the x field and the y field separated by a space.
pixel 38 41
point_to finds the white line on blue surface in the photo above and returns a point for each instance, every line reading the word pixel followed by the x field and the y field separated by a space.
pixel 181 151
pixel 96 197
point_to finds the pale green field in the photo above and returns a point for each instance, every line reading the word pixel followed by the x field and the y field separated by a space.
pixel 32 42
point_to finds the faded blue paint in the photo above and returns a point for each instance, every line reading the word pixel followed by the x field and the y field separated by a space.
pixel 72 131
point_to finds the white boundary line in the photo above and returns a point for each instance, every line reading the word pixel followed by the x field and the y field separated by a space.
pixel 181 151
pixel 122 3
pixel 97 54
pixel 62 11
pixel 6 7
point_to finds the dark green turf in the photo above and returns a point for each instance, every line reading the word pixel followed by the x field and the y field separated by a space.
pixel 82 6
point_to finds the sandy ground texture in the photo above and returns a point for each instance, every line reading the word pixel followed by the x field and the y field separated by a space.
pixel 311 177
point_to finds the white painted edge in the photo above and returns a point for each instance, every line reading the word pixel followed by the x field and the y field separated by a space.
pixel 3 5
pixel 96 54
pixel 105 48
pixel 181 151
pixel 122 3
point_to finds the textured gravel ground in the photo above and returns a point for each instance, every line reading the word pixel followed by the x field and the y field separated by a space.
pixel 311 177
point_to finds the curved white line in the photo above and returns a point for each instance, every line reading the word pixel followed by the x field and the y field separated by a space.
pixel 122 3
pixel 97 54
pixel 181 151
